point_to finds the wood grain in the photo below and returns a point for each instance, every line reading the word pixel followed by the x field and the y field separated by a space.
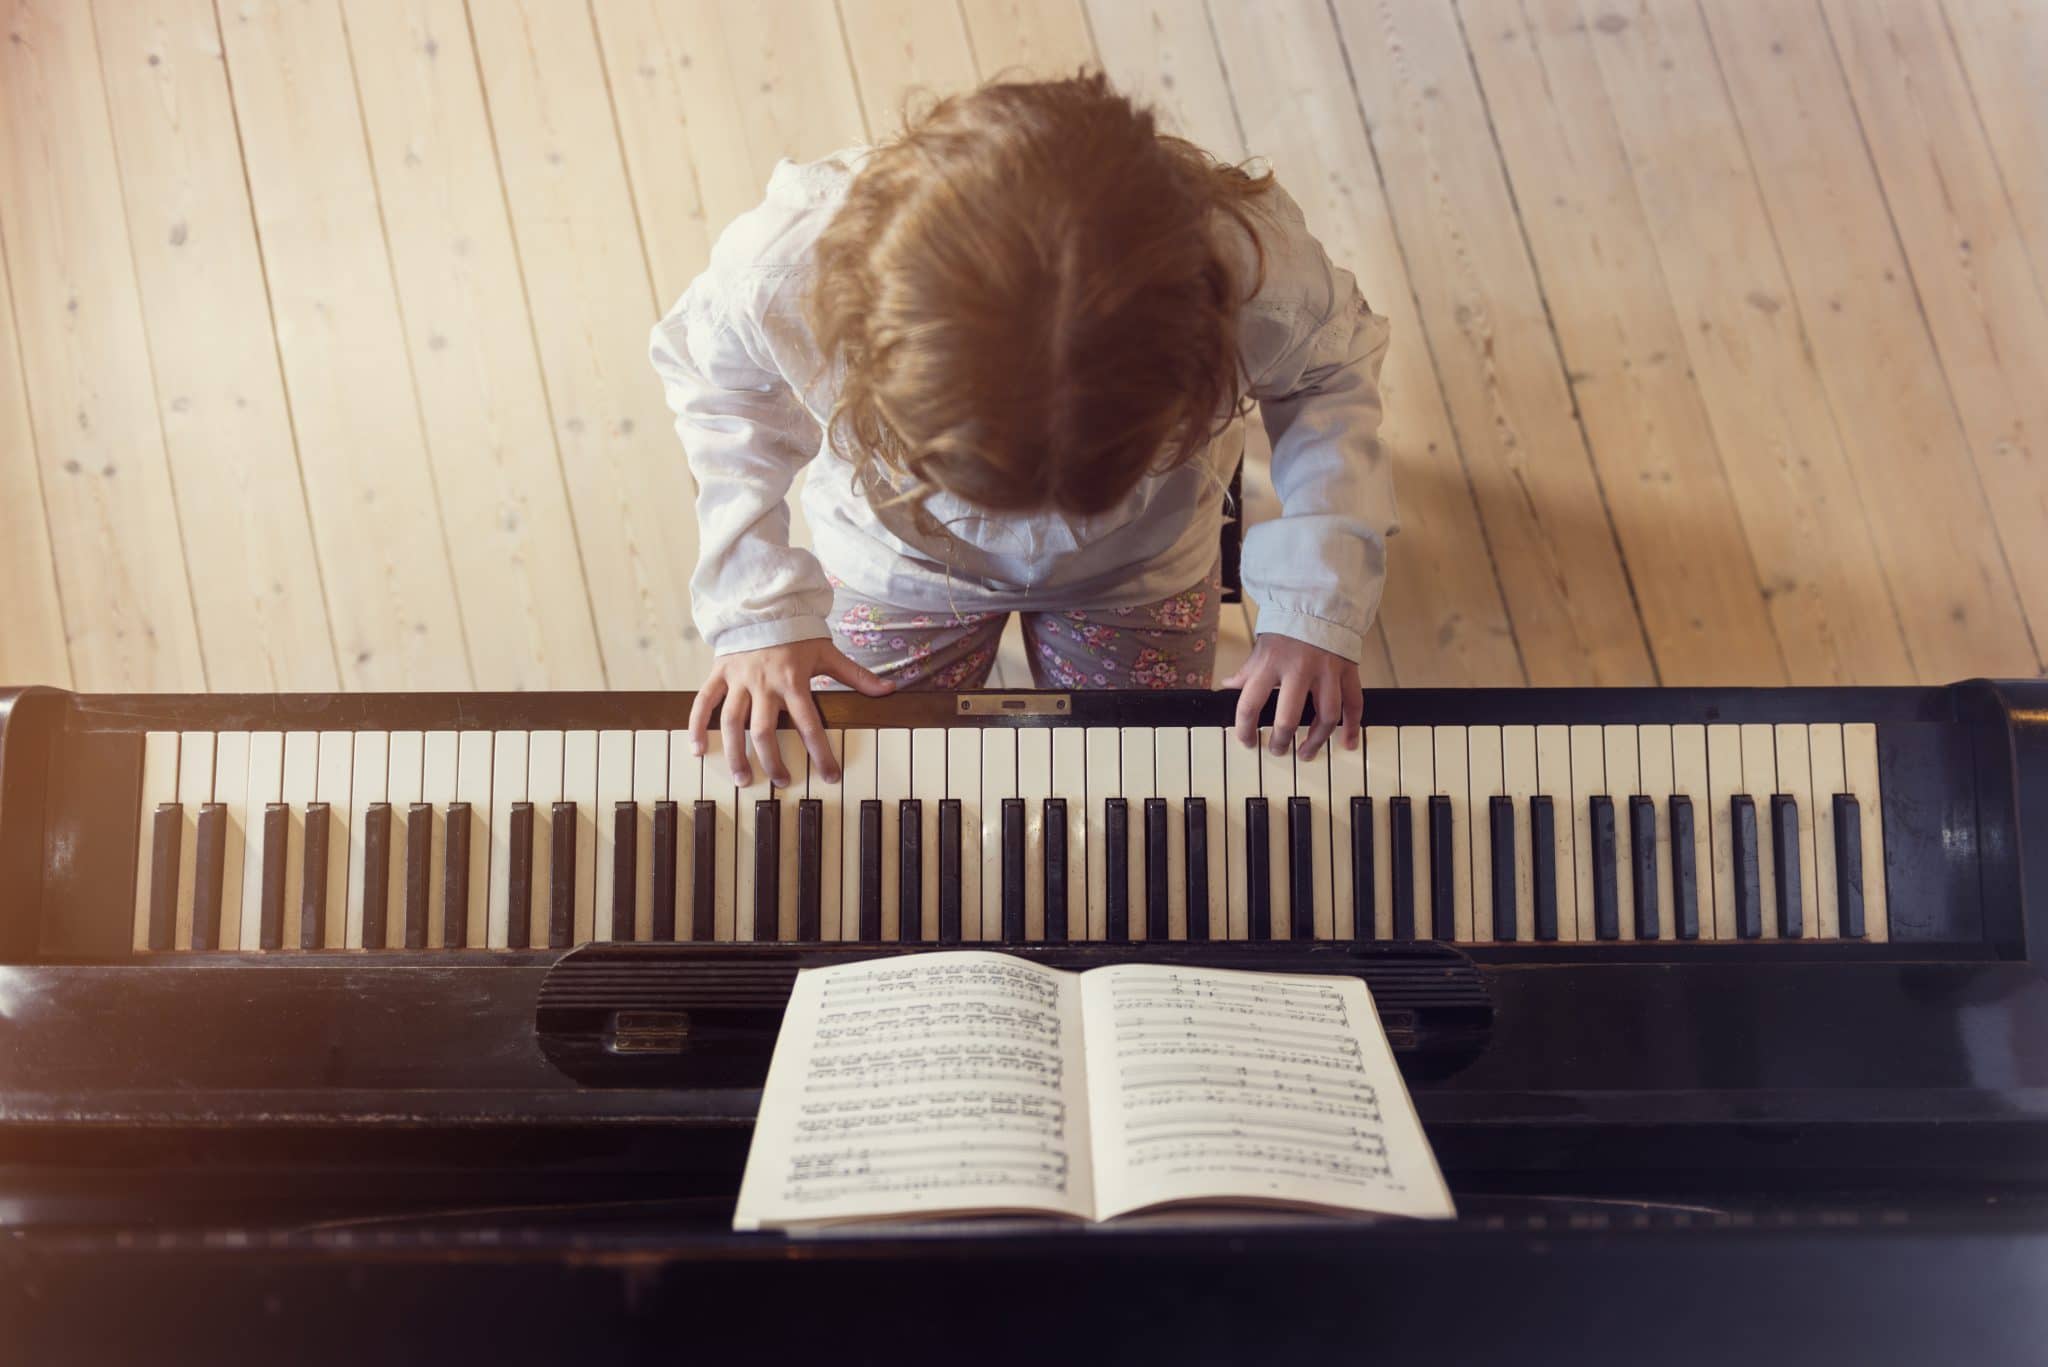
pixel 905 53
pixel 31 615
pixel 1039 39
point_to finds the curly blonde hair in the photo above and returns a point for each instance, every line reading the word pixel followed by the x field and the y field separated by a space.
pixel 1030 298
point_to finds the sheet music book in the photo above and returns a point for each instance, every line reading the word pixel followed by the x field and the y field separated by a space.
pixel 975 1083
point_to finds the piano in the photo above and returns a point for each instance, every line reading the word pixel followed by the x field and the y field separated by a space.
pixel 337 1020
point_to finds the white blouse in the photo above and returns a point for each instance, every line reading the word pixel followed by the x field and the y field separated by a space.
pixel 750 396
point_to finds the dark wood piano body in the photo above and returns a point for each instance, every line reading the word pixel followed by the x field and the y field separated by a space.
pixel 1666 1149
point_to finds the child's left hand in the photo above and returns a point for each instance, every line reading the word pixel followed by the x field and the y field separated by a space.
pixel 1300 671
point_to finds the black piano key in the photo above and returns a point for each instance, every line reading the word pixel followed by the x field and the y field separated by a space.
pixel 1258 869
pixel 1013 871
pixel 1195 823
pixel 1685 879
pixel 704 870
pixel 1749 912
pixel 277 821
pixel 455 877
pixel 1117 869
pixel 1056 909
pixel 1401 836
pixel 376 875
pixel 810 869
pixel 1785 864
pixel 210 852
pixel 767 870
pixel 1443 907
pixel 910 869
pixel 562 876
pixel 869 905
pixel 1642 834
pixel 166 836
pixel 1848 867
pixel 1301 870
pixel 1606 879
pixel 519 876
pixel 661 918
pixel 313 890
pixel 1362 926
pixel 1500 834
pixel 419 849
pixel 1157 926
pixel 1543 863
pixel 949 871
pixel 625 868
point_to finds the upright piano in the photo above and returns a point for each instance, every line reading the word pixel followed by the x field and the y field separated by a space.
pixel 332 1022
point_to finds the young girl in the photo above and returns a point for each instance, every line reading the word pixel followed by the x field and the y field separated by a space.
pixel 1017 341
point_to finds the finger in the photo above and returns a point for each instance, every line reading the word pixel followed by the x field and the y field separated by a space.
pixel 1287 713
pixel 761 731
pixel 732 729
pixel 1250 701
pixel 1354 710
pixel 803 712
pixel 861 680
pixel 700 713
pixel 1327 716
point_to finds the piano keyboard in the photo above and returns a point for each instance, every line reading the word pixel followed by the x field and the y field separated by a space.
pixel 512 840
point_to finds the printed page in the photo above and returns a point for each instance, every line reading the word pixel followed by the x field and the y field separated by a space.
pixel 930 1084
pixel 1222 1086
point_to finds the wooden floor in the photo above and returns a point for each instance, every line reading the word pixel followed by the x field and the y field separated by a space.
pixel 1721 348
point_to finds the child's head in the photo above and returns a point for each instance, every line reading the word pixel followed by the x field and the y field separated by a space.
pixel 1034 298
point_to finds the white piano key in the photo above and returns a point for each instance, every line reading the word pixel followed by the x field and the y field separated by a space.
pixel 963 781
pixel 508 785
pixel 369 784
pixel 1589 779
pixel 1656 780
pixel 1418 783
pixel 1689 776
pixel 1554 781
pixel 1724 781
pixel 1347 780
pixel 1859 766
pixel 1139 774
pixel 1795 780
pixel 301 786
pixel 1105 781
pixel 892 785
pixel 723 795
pixel 832 890
pixel 1240 781
pixel 1824 760
pixel 440 760
pixel 1276 785
pixel 230 790
pixel 1312 781
pixel 1382 785
pixel 195 790
pixel 650 785
pixel 336 763
pixel 404 777
pixel 1623 763
pixel 856 785
pixel 1760 780
pixel 1070 781
pixel 1170 761
pixel 928 786
pixel 265 786
pixel 998 782
pixel 1453 780
pixel 685 786
pixel 746 822
pixel 1484 782
pixel 1519 782
pixel 473 785
pixel 614 785
pixel 579 785
pixel 544 772
pixel 796 762
pixel 1034 786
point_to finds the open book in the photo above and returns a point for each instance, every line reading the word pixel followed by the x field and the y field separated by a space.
pixel 975 1083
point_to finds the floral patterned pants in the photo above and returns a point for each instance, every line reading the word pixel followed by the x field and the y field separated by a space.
pixel 1167 644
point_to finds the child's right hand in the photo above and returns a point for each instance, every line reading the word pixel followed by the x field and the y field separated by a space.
pixel 757 687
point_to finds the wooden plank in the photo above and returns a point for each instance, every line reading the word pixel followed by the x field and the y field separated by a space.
pixel 362 454
pixel 1028 39
pixel 905 53
pixel 1983 300
pixel 256 585
pixel 1935 533
pixel 800 99
pixel 504 508
pixel 1483 315
pixel 1443 615
pixel 106 486
pixel 592 303
pixel 1682 529
pixel 2003 46
pixel 1164 54
pixel 31 616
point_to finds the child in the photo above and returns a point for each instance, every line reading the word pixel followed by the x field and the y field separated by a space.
pixel 1016 342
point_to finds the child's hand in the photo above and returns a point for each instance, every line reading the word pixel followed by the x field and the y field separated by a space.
pixel 758 686
pixel 1301 671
